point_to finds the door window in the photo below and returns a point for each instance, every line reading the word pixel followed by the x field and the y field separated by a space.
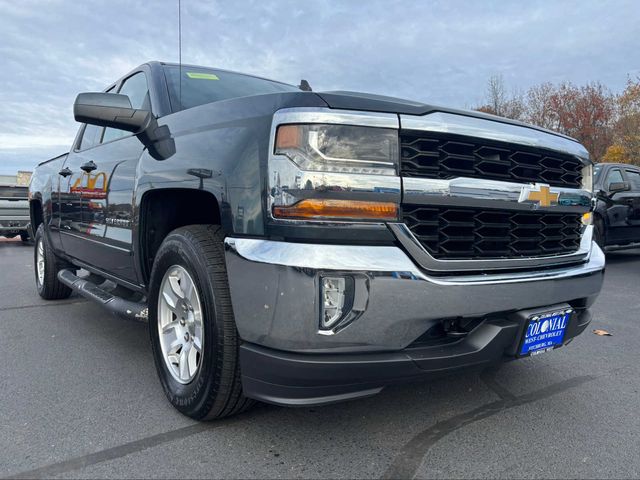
pixel 135 87
pixel 634 179
pixel 614 176
pixel 90 136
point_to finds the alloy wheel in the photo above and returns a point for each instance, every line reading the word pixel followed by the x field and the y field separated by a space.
pixel 180 324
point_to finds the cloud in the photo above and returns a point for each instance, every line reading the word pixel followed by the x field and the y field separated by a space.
pixel 437 52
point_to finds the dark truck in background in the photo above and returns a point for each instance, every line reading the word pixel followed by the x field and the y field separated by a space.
pixel 303 248
pixel 14 210
pixel 617 212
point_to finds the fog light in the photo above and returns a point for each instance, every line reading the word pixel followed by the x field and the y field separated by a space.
pixel 333 294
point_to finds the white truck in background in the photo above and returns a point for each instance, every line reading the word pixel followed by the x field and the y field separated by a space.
pixel 14 205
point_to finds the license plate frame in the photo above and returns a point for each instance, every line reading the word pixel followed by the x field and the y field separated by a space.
pixel 544 331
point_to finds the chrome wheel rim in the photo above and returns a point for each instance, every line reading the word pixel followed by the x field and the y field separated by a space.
pixel 40 262
pixel 180 324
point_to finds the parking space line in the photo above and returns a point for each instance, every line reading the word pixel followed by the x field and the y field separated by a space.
pixel 411 456
pixel 125 449
pixel 488 377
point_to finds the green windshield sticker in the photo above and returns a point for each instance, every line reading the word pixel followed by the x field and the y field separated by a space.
pixel 202 76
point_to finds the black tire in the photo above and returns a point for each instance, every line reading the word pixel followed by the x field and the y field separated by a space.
pixel 216 389
pixel 50 288
pixel 24 236
pixel 599 233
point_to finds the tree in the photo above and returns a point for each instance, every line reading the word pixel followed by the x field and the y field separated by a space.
pixel 496 95
pixel 539 108
pixel 616 154
pixel 585 113
pixel 498 102
pixel 627 127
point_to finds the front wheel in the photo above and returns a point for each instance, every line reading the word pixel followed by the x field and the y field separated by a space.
pixel 193 332
pixel 47 266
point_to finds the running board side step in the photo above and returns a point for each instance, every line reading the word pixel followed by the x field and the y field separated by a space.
pixel 118 305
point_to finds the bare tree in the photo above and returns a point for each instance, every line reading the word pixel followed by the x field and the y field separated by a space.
pixel 515 106
pixel 539 108
pixel 496 94
pixel 498 102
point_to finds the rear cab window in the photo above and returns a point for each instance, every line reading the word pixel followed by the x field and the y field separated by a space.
pixel 189 87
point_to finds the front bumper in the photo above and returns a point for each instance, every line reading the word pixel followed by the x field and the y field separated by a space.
pixel 275 293
pixel 295 379
pixel 286 359
pixel 13 224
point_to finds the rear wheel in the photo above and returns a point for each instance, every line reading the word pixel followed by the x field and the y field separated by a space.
pixel 24 236
pixel 193 332
pixel 47 266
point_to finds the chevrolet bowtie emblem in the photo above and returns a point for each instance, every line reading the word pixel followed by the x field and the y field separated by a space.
pixel 540 194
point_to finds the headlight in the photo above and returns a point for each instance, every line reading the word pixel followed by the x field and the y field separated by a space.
pixel 339 148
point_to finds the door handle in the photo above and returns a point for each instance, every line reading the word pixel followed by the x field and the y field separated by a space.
pixel 65 172
pixel 89 166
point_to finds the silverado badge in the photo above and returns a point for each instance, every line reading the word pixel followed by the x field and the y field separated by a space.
pixel 538 194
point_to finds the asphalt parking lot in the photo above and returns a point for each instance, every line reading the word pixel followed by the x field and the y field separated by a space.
pixel 80 399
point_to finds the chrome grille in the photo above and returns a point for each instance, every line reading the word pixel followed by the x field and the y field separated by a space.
pixel 473 233
pixel 443 155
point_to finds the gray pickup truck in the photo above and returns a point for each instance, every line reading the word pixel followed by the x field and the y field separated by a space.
pixel 14 209
pixel 303 248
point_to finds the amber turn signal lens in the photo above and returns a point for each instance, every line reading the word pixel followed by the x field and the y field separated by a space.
pixel 288 136
pixel 314 209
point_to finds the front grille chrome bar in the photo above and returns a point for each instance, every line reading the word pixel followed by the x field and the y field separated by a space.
pixel 479 193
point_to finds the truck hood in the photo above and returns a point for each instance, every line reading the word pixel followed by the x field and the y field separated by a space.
pixel 369 102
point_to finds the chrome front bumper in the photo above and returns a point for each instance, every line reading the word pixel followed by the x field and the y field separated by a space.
pixel 275 292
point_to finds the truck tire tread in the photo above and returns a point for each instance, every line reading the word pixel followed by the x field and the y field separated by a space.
pixel 226 397
pixel 51 288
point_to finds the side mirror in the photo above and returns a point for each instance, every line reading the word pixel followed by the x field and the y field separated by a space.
pixel 110 110
pixel 114 110
pixel 616 187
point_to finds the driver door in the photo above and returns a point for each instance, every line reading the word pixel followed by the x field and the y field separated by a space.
pixel 632 198
pixel 107 199
pixel 619 209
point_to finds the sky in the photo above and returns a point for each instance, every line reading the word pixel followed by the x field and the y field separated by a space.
pixel 438 52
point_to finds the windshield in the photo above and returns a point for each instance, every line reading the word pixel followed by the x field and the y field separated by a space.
pixel 596 172
pixel 204 85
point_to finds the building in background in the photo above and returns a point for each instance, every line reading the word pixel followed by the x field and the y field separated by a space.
pixel 22 178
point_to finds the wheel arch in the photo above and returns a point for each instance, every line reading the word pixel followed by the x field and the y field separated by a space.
pixel 36 213
pixel 163 210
